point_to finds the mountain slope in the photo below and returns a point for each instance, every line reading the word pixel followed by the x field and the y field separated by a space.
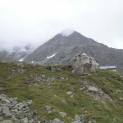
pixel 63 48
pixel 16 55
pixel 58 93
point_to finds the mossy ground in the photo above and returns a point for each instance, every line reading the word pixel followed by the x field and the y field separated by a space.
pixel 15 79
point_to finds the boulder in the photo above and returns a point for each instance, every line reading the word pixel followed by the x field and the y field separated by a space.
pixel 93 89
pixel 63 114
pixel 6 111
pixel 56 120
pixel 83 64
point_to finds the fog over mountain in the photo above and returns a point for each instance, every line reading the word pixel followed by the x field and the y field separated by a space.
pixel 36 21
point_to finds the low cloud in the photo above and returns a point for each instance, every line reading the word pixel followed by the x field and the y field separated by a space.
pixel 35 21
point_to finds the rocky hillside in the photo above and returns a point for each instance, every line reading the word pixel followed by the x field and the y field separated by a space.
pixel 18 54
pixel 12 111
pixel 61 48
pixel 53 94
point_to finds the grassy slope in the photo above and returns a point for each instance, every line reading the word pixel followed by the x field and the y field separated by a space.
pixel 15 81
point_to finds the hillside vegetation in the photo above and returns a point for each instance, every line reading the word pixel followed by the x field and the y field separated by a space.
pixel 56 92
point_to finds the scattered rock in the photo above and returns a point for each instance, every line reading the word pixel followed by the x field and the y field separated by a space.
pixel 63 114
pixel 49 109
pixel 92 121
pixel 92 89
pixel 6 111
pixel 82 88
pixel 16 112
pixel 25 120
pixel 78 119
pixel 121 98
pixel 56 120
pixel 69 93
pixel 7 121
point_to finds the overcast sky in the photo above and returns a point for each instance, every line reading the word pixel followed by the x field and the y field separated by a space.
pixel 36 21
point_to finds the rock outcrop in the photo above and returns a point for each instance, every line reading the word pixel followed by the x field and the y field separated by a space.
pixel 82 64
pixel 12 111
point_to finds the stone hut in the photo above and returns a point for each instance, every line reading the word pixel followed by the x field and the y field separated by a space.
pixel 83 64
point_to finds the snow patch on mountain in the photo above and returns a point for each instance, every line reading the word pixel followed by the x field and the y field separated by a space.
pixel 21 60
pixel 51 56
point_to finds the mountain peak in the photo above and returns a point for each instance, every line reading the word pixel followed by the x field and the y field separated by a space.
pixel 70 32
pixel 68 44
pixel 67 32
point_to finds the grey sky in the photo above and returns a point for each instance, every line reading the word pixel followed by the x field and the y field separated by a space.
pixel 35 21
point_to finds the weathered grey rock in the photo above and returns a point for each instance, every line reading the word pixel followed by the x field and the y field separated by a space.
pixel 56 120
pixel 7 121
pixel 16 112
pixel 78 119
pixel 49 109
pixel 3 98
pixel 69 92
pixel 82 64
pixel 63 114
pixel 25 120
pixel 92 89
pixel 92 121
pixel 6 111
